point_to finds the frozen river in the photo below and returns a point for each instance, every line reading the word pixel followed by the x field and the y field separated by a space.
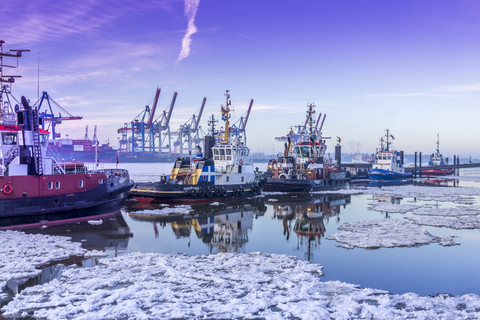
pixel 417 239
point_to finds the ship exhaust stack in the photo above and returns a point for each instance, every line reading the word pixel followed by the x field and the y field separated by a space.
pixel 338 154
pixel 209 143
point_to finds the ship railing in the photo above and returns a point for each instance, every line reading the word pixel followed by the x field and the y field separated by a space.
pixel 10 155
pixel 52 153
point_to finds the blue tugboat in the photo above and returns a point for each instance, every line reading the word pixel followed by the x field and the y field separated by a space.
pixel 388 164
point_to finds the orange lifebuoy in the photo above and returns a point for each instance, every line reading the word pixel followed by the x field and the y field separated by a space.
pixel 240 161
pixel 7 189
pixel 204 178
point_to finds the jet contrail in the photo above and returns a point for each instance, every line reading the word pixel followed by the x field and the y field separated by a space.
pixel 191 7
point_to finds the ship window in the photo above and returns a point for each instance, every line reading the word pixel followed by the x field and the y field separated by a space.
pixel 222 152
pixel 242 178
pixel 229 151
pixel 50 184
pixel 229 157
pixel 215 151
pixel 217 158
pixel 57 184
pixel 80 183
pixel 9 138
pixel 228 179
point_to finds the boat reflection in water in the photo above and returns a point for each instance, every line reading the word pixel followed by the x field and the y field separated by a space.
pixel 224 227
pixel 102 228
pixel 97 230
pixel 306 215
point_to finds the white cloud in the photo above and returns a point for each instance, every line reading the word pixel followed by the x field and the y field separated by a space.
pixel 191 7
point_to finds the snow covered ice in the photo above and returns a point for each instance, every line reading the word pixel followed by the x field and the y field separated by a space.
pixel 387 233
pixel 263 286
pixel 22 255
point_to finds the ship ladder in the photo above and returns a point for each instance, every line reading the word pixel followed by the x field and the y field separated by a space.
pixel 37 151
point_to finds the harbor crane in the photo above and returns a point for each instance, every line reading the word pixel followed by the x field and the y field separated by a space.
pixel 238 128
pixel 48 116
pixel 143 137
pixel 161 127
pixel 190 133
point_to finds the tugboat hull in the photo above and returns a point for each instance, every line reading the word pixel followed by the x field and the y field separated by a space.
pixel 387 175
pixel 184 192
pixel 19 202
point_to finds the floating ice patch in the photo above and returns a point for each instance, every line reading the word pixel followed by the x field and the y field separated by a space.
pixel 444 194
pixel 22 254
pixel 226 286
pixel 447 212
pixel 387 233
pixel 392 207
pixel 95 222
pixel 274 193
pixel 454 223
pixel 357 190
pixel 182 209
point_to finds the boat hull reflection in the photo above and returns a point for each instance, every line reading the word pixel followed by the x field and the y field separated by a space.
pixel 224 227
pixel 306 215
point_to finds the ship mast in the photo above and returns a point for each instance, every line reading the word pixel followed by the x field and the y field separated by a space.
pixel 226 136
pixel 438 144
pixel 6 111
pixel 310 113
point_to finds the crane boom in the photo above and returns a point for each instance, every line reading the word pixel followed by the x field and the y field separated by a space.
pixel 248 114
pixel 171 109
pixel 200 114
pixel 321 126
pixel 155 101
pixel 318 121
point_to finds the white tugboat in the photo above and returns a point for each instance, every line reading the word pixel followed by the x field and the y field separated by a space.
pixel 388 163
pixel 226 170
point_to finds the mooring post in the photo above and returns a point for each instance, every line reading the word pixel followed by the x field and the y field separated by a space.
pixel 454 165
pixel 458 165
pixel 415 167
pixel 420 164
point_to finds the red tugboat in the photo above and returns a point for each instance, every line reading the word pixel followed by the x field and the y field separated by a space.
pixel 304 168
pixel 34 183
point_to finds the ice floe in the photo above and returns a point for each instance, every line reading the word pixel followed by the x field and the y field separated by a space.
pixel 441 194
pixel 226 286
pixel 447 212
pixel 393 207
pixel 22 255
pixel 388 233
pixel 95 222
pixel 454 223
pixel 180 209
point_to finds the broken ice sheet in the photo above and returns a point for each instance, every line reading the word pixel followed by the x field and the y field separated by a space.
pixel 226 286
pixel 389 233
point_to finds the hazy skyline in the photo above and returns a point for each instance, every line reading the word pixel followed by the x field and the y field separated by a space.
pixel 409 66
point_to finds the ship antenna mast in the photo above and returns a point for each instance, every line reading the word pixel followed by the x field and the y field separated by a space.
pixel 226 137
pixel 438 144
pixel 211 124
pixel 6 111
pixel 310 113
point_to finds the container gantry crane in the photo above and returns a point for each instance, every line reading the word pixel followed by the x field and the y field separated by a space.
pixel 45 106
pixel 162 129
pixel 190 132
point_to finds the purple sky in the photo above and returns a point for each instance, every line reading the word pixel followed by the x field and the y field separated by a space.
pixel 410 66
